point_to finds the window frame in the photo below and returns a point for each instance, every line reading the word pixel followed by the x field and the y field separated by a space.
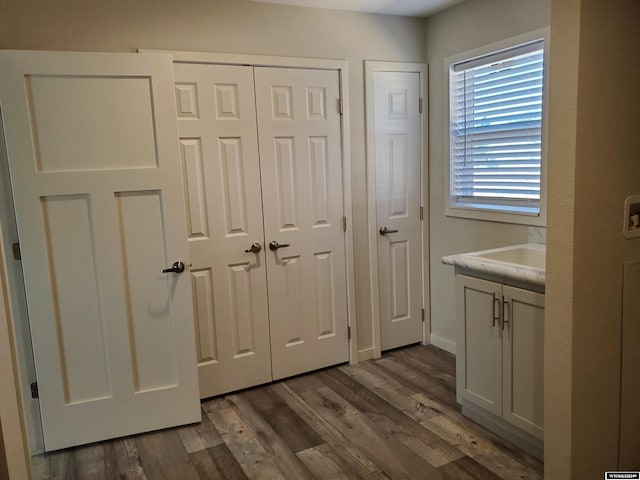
pixel 482 212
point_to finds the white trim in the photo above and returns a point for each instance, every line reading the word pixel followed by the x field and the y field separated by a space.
pixel 252 60
pixel 11 412
pixel 479 213
pixel 17 303
pixel 443 343
pixel 341 66
pixel 370 67
pixel 366 354
pixel 348 210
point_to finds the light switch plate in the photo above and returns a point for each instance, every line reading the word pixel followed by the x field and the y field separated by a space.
pixel 631 227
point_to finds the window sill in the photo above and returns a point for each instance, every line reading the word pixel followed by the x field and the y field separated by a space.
pixel 490 215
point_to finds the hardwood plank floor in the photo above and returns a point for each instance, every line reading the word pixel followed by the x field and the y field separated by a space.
pixel 391 418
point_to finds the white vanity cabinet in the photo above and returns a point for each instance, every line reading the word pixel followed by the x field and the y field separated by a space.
pixel 500 358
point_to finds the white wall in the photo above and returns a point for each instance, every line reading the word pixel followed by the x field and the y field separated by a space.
pixel 461 28
pixel 233 26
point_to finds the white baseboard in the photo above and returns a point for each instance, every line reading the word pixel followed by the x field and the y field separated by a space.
pixel 443 343
pixel 366 354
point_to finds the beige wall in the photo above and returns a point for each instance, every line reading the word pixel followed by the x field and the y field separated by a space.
pixel 233 26
pixel 563 86
pixel 594 165
pixel 461 28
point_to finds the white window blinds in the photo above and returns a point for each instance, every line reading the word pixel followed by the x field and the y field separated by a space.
pixel 495 131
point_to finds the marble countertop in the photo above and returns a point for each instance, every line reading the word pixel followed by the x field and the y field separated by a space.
pixel 521 272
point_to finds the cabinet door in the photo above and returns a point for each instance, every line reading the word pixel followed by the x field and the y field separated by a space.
pixel 480 358
pixel 523 352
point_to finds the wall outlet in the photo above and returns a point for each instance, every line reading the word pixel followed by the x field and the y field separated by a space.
pixel 631 227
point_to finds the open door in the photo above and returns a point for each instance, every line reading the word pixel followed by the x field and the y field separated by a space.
pixel 96 178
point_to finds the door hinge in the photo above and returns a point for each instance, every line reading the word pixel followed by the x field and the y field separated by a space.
pixel 349 332
pixel 34 390
pixel 340 106
pixel 420 105
pixel 421 212
pixel 423 315
pixel 344 224
pixel 17 255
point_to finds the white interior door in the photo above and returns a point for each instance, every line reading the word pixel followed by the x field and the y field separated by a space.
pixel 219 147
pixel 95 170
pixel 301 167
pixel 397 146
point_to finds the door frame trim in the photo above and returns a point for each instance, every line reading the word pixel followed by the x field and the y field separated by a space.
pixel 16 305
pixel 341 66
pixel 370 67
pixel 14 435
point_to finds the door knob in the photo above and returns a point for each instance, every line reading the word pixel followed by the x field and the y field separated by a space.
pixel 177 267
pixel 273 246
pixel 385 230
pixel 254 248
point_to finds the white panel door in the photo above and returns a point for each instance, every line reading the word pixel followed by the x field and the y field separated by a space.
pixel 219 147
pixel 301 167
pixel 397 146
pixel 94 163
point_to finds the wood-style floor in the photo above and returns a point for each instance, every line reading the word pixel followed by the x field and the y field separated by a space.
pixel 395 417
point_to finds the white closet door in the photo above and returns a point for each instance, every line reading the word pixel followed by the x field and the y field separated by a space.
pixel 219 147
pixel 397 157
pixel 301 167
pixel 94 162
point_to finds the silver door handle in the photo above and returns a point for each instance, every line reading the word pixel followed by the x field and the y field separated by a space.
pixel 273 246
pixel 254 248
pixel 177 267
pixel 385 230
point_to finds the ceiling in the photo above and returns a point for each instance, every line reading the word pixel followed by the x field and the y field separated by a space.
pixel 411 8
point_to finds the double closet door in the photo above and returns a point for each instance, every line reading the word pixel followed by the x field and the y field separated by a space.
pixel 262 165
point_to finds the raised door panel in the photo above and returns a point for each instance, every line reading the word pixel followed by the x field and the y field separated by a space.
pixel 523 354
pixel 93 161
pixel 67 227
pixel 397 145
pixel 301 168
pixel 221 171
pixel 480 358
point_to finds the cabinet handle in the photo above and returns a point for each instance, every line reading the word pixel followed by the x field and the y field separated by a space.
pixel 506 305
pixel 495 310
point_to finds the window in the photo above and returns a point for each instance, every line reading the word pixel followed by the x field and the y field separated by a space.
pixel 495 133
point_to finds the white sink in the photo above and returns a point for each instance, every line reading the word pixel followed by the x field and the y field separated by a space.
pixel 524 264
pixel 532 256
